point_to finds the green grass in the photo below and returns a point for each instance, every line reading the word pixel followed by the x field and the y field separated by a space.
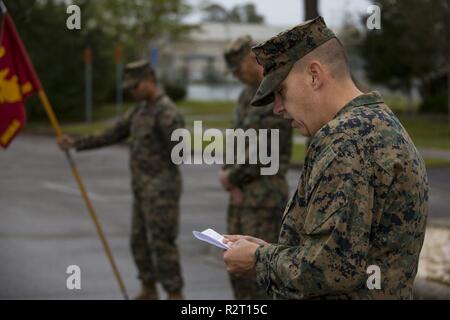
pixel 399 103
pixel 109 111
pixel 76 129
pixel 427 131
pixel 436 163
pixel 208 123
pixel 213 114
pixel 206 108
pixel 298 153
pixel 86 128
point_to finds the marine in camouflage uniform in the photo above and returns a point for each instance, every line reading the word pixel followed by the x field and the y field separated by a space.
pixel 156 181
pixel 361 199
pixel 264 196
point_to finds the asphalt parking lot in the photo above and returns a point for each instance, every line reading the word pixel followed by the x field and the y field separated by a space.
pixel 45 226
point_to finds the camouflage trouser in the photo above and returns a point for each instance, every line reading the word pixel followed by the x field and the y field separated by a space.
pixel 154 232
pixel 263 223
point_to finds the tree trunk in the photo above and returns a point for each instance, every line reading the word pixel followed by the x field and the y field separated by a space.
pixel 311 9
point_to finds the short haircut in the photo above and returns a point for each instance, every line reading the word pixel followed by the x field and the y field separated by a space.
pixel 332 54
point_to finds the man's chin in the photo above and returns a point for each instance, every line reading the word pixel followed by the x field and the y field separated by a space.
pixel 295 124
pixel 300 128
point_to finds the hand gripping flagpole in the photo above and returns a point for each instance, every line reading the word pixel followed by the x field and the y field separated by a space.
pixel 57 128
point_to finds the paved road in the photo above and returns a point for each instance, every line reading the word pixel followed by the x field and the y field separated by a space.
pixel 45 227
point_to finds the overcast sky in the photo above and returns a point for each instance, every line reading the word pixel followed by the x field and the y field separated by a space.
pixel 290 12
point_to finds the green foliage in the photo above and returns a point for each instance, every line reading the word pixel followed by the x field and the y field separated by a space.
pixel 137 21
pixel 245 13
pixel 399 103
pixel 175 91
pixel 436 103
pixel 57 53
pixel 410 48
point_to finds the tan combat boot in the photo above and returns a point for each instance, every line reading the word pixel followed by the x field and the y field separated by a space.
pixel 176 295
pixel 148 292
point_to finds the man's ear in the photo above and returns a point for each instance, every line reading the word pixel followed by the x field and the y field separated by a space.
pixel 252 58
pixel 151 83
pixel 316 74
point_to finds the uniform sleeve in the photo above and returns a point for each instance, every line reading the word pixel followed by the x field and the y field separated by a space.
pixel 331 258
pixel 117 133
pixel 240 174
pixel 169 120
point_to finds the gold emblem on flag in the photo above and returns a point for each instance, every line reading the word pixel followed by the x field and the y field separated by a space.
pixel 9 88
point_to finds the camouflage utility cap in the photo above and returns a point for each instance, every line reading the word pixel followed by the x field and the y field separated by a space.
pixel 278 54
pixel 136 71
pixel 236 51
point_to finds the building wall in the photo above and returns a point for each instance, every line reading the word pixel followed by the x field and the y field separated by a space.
pixel 205 48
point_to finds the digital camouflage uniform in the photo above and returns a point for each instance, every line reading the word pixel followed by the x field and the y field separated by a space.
pixel 264 196
pixel 361 199
pixel 156 184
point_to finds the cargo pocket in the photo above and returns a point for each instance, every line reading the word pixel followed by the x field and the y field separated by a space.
pixel 324 199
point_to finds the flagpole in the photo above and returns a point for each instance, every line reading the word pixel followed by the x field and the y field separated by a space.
pixel 54 122
pixel 57 128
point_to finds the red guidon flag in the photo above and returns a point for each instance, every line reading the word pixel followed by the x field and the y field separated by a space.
pixel 18 81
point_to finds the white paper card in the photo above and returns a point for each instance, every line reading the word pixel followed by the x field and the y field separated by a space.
pixel 212 237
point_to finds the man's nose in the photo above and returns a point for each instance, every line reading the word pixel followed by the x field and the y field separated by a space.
pixel 277 106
